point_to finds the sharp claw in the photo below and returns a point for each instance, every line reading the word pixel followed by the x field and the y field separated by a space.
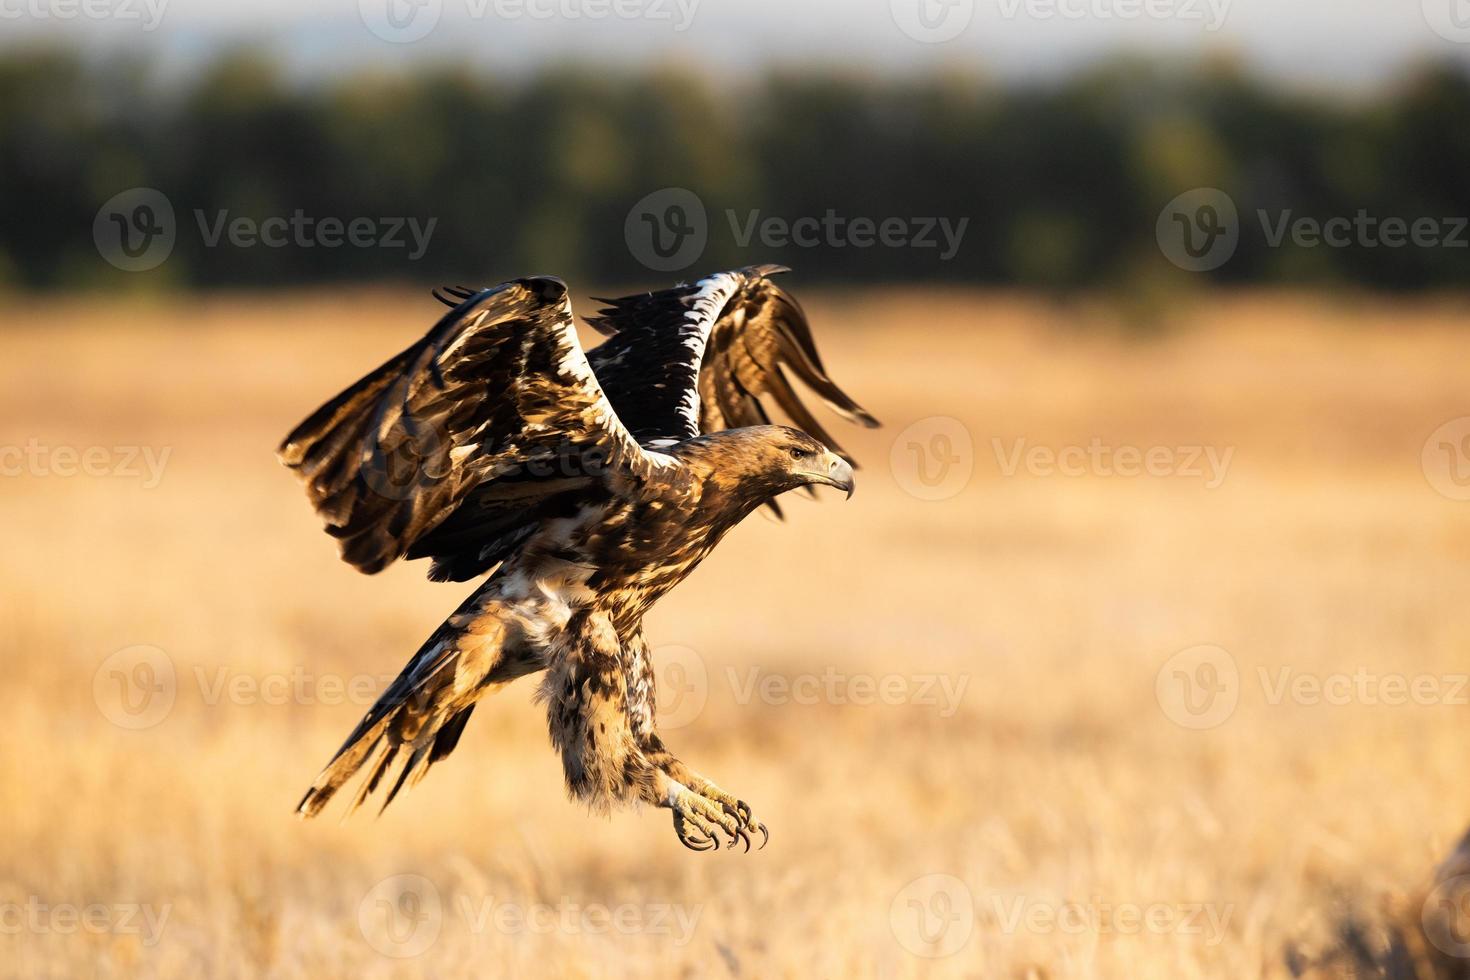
pixel 765 835
pixel 744 809
pixel 695 842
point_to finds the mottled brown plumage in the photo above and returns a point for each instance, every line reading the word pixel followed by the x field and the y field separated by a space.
pixel 587 487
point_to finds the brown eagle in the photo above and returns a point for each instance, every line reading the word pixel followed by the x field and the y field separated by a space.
pixel 586 486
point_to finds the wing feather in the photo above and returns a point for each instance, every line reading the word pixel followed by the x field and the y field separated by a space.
pixel 722 343
pixel 496 410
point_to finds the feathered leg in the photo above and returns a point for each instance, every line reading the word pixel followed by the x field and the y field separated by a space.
pixel 696 801
pixel 595 718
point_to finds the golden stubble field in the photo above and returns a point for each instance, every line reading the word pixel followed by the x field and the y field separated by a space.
pixel 1063 722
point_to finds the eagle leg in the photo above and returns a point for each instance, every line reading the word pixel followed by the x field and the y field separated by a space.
pixel 698 805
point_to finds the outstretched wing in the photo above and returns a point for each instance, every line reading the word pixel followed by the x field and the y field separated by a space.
pixel 700 357
pixel 456 448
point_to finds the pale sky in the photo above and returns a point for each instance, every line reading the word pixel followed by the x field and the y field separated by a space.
pixel 1323 43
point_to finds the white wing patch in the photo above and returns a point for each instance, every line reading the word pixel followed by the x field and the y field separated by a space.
pixel 705 307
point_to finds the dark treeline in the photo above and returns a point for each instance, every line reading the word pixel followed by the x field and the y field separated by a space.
pixel 1061 184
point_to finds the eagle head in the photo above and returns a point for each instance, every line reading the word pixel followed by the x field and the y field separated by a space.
pixel 767 460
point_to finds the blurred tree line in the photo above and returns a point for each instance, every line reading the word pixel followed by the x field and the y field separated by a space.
pixel 1061 183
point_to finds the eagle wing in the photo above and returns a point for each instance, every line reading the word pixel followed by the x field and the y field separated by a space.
pixel 456 448
pixel 700 357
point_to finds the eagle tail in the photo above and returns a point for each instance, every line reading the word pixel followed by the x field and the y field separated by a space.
pixel 419 719
pixel 375 751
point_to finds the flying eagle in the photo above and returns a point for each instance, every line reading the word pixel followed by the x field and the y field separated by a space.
pixel 586 486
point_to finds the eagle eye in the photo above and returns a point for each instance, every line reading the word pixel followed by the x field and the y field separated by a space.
pixel 798 453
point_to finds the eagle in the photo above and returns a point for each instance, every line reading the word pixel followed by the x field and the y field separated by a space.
pixel 581 487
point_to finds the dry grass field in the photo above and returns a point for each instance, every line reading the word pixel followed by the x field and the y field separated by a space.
pixel 1063 722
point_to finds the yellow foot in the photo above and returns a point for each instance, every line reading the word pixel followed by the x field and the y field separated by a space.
pixel 699 815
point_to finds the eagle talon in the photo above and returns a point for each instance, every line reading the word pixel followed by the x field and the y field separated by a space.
pixel 703 839
pixel 740 824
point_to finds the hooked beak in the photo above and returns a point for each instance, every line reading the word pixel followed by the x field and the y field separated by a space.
pixel 833 471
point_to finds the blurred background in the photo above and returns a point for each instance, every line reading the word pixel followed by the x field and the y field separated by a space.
pixel 1140 651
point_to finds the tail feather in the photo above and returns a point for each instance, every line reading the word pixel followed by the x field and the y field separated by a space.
pixel 420 717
